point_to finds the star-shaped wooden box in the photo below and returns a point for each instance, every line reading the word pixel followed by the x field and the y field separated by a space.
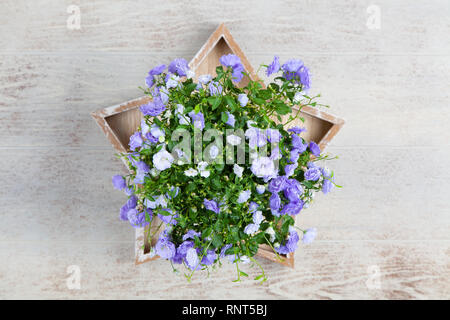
pixel 120 121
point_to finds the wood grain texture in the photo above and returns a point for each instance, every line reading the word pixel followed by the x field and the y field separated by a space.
pixel 391 85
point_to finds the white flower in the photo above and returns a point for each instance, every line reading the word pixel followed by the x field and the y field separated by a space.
pixel 205 78
pixel 154 172
pixel 162 160
pixel 263 167
pixel 191 172
pixel 202 169
pixel 190 74
pixel 234 140
pixel 271 233
pixel 205 174
pixel 244 196
pixel 214 152
pixel 250 122
pixel 238 170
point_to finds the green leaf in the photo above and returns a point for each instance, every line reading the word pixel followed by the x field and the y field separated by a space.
pixel 224 117
pixel 215 102
pixel 217 240
pixel 243 273
pixel 282 108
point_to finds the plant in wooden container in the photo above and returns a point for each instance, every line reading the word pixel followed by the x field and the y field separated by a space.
pixel 215 168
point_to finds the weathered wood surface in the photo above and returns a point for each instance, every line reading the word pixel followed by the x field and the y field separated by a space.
pixel 391 86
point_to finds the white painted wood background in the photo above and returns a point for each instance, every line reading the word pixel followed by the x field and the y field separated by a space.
pixel 57 205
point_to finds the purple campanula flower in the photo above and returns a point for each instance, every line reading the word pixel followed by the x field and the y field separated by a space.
pixel 139 178
pixel 164 95
pixel 309 235
pixel 312 174
pixel 153 108
pixel 123 212
pixel 244 196
pixel 257 217
pixel 238 73
pixel 243 99
pixel 315 149
pixel 164 248
pixel 150 80
pixel 294 155
pixel 275 201
pixel 274 67
pixel 273 135
pixel 292 208
pixel 277 184
pixel 129 191
pixel 231 120
pixel 192 259
pixel 297 130
pixel 119 182
pixel 256 136
pixel 152 139
pixel 173 192
pixel 191 234
pixel 293 190
pixel 276 213
pixel 135 141
pixel 229 60
pixel 198 119
pixel 215 88
pixel 327 186
pixel 132 202
pixel 224 250
pixel 145 128
pixel 291 243
pixel 304 78
pixel 179 66
pixel 233 61
pixel 297 143
pixel 291 67
pixel 289 169
pixel 184 247
pixel 211 205
pixel 251 228
pixel 209 258
pixel 252 207
pixel 169 219
pixel 142 166
pixel 275 154
pixel 137 219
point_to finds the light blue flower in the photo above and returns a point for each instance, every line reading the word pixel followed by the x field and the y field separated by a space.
pixel 243 99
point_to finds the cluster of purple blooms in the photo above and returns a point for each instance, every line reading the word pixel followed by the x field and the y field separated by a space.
pixel 292 70
pixel 286 193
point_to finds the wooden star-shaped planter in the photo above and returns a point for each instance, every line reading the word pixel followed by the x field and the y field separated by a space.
pixel 120 121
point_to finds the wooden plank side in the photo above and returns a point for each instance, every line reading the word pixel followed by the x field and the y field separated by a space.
pixel 324 270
